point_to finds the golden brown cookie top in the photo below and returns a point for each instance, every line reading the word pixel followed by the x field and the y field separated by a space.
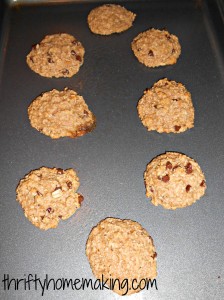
pixel 121 249
pixel 174 180
pixel 166 107
pixel 61 114
pixel 156 48
pixel 57 55
pixel 110 18
pixel 48 195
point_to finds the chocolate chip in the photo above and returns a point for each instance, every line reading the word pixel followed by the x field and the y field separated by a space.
pixel 155 106
pixel 65 72
pixel 169 165
pixel 177 128
pixel 173 50
pixel 42 217
pixel 73 52
pixel 60 216
pixel 154 255
pixel 166 178
pixel 69 184
pixel 151 189
pixel 60 171
pixel 174 99
pixel 188 187
pixel 80 198
pixel 202 184
pixel 49 209
pixel 75 42
pixel 139 49
pixel 78 57
pixel 188 168
pixel 31 58
pixel 83 129
pixel 50 60
pixel 168 36
pixel 151 53
pixel 85 113
pixel 57 188
pixel 39 194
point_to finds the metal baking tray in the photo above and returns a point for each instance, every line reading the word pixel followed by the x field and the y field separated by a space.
pixel 111 160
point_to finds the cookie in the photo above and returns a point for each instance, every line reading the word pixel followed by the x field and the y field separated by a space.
pixel 48 196
pixel 174 180
pixel 121 249
pixel 61 114
pixel 155 48
pixel 110 18
pixel 57 55
pixel 166 107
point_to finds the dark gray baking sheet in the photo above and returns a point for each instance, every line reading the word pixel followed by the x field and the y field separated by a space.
pixel 111 160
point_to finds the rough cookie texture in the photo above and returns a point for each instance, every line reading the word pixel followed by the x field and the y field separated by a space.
pixel 166 107
pixel 174 180
pixel 49 195
pixel 61 113
pixel 57 55
pixel 121 249
pixel 110 18
pixel 155 48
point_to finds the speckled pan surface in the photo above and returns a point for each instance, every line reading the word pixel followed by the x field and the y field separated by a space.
pixel 111 160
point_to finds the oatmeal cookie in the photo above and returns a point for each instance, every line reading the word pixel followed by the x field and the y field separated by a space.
pixel 110 18
pixel 61 114
pixel 48 196
pixel 57 55
pixel 166 107
pixel 155 48
pixel 174 180
pixel 121 249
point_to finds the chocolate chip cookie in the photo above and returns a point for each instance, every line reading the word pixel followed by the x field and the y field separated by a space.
pixel 110 18
pixel 61 114
pixel 166 107
pixel 57 55
pixel 121 249
pixel 48 196
pixel 155 48
pixel 174 180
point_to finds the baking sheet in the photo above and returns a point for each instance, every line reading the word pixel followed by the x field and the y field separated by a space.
pixel 111 160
